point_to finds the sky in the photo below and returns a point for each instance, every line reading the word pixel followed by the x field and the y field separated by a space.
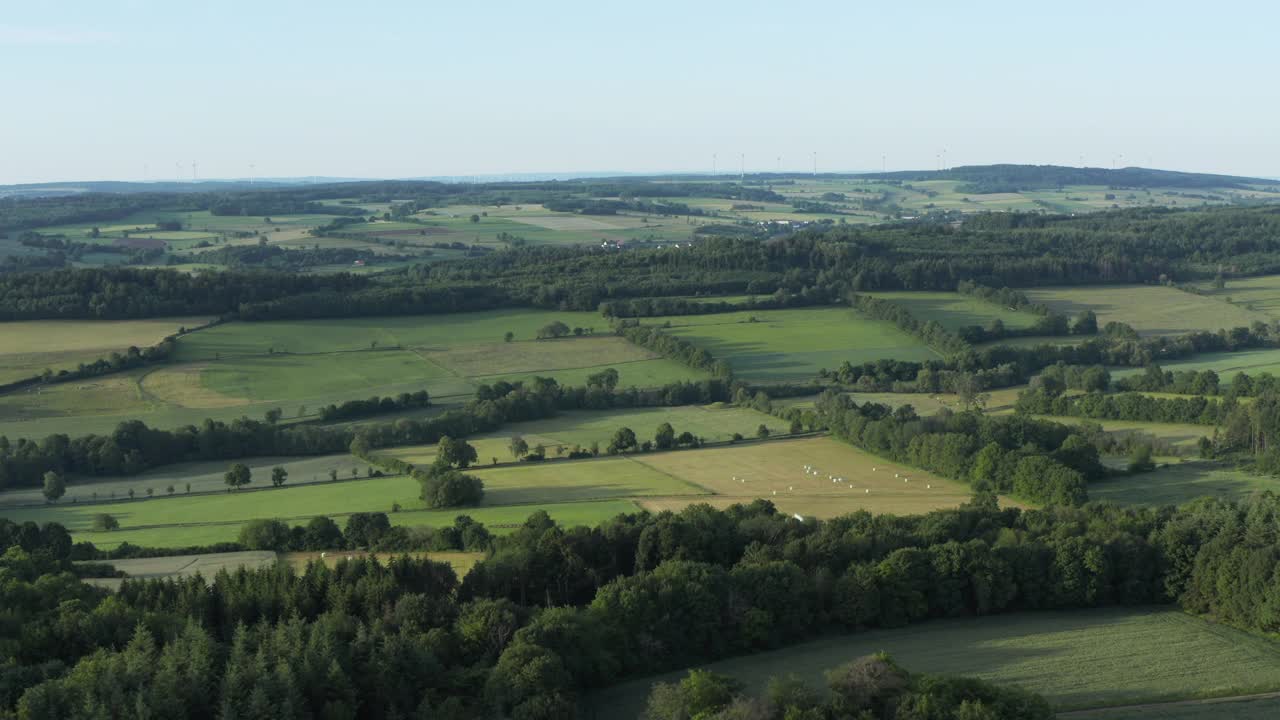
pixel 133 90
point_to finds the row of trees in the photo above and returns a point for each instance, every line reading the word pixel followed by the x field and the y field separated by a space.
pixel 375 406
pixel 1195 409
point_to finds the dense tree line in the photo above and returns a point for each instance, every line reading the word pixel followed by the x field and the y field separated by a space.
pixel 1195 409
pixel 1036 460
pixel 660 306
pixel 278 258
pixel 930 332
pixel 375 406
pixel 978 179
pixel 1198 382
pixel 553 612
pixel 669 346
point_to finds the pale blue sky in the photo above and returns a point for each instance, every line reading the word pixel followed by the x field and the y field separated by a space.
pixel 100 89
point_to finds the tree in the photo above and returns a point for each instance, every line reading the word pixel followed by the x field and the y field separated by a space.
pixel 509 336
pixel 450 453
pixel 273 415
pixel 552 330
pixel 54 486
pixel 264 534
pixel 665 437
pixel 762 432
pixel 623 440
pixel 450 488
pixel 607 379
pixel 365 529
pixel 104 522
pixel 333 474
pixel 1140 459
pixel 238 476
pixel 278 476
pixel 519 448
pixel 475 218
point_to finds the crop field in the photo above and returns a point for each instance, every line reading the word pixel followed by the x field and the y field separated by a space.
pixel 1082 659
pixel 716 422
pixel 1176 483
pixel 201 476
pixel 1250 362
pixel 795 344
pixel 998 400
pixel 29 348
pixel 1150 309
pixel 953 311
pixel 775 471
pixel 178 566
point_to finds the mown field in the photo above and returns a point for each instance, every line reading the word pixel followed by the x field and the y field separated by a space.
pixel 1078 659
pixel 29 348
pixel 1150 309
pixel 953 311
pixel 794 344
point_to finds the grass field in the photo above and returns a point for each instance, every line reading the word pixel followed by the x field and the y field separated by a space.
pixel 202 476
pixel 774 471
pixel 1226 364
pixel 1075 659
pixel 29 348
pixel 953 311
pixel 713 423
pixel 1257 294
pixel 1150 309
pixel 795 344
pixel 1264 708
pixel 1177 483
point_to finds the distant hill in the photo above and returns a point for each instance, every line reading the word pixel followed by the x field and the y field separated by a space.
pixel 1016 178
pixel 64 189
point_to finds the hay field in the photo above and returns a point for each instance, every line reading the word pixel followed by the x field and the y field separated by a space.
pixel 28 348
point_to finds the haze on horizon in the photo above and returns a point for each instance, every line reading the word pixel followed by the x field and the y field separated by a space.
pixel 140 89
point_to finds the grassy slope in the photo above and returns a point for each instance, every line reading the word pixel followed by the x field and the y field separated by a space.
pixel 954 311
pixel 1150 309
pixel 1076 659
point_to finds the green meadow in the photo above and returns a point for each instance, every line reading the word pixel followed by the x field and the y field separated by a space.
pixel 774 345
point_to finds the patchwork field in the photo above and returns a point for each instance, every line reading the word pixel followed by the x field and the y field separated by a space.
pixel 795 344
pixel 29 348
pixel 1177 483
pixel 1150 309
pixel 1075 659
pixel 953 311
pixel 243 368
pixel 178 566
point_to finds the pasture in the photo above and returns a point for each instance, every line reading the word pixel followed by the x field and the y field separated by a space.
pixel 1177 483
pixel 794 344
pixel 953 311
pixel 28 348
pixel 1149 309
pixel 1081 659
pixel 774 471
